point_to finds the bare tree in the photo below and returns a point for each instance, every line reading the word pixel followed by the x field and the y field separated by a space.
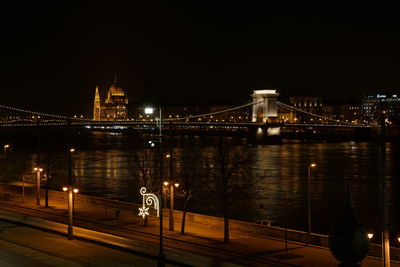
pixel 52 164
pixel 189 170
pixel 230 178
pixel 145 162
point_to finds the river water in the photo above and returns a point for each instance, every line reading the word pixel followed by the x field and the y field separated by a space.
pixel 103 166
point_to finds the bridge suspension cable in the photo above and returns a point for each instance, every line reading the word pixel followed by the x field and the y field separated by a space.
pixel 214 113
pixel 42 113
pixel 183 118
pixel 312 114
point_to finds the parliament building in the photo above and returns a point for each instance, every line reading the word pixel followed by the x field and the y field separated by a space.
pixel 114 106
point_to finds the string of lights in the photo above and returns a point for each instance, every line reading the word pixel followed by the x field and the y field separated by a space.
pixel 315 115
pixel 43 114
pixel 214 113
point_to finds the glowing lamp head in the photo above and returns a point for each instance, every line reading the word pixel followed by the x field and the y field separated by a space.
pixel 6 146
pixel 65 189
pixel 168 156
pixel 166 183
pixel 312 165
pixel 176 185
pixel 76 190
pixel 149 110
pixel 36 169
pixel 72 150
pixel 370 235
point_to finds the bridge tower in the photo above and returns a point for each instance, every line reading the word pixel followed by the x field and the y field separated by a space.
pixel 266 107
pixel 96 106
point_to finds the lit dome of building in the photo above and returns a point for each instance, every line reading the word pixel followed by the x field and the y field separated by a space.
pixel 115 91
pixel 115 104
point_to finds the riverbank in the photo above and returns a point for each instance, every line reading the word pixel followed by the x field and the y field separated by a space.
pixel 122 215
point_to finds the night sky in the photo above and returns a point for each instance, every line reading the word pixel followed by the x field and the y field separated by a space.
pixel 54 54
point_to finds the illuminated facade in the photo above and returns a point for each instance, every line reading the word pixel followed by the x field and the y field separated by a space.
pixel 308 103
pixel 389 103
pixel 266 106
pixel 312 104
pixel 96 105
pixel 114 106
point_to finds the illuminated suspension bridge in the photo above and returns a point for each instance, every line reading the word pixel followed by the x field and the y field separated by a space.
pixel 266 112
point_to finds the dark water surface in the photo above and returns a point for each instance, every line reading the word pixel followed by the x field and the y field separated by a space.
pixel 102 166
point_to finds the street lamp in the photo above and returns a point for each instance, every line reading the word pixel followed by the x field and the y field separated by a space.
pixel 5 150
pixel 150 110
pixel 312 165
pixel 38 171
pixel 71 191
pixel 171 185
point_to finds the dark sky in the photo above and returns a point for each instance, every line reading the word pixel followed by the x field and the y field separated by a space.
pixel 54 54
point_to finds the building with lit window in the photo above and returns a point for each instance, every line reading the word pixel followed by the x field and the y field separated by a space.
pixel 114 106
pixel 388 103
pixel 311 104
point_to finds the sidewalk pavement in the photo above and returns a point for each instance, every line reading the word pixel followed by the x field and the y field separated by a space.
pixel 245 249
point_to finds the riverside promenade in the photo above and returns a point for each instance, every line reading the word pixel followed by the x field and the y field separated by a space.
pixel 202 245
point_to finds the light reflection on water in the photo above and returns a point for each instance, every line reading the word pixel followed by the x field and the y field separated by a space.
pixel 104 168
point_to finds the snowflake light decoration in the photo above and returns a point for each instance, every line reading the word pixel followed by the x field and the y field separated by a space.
pixel 149 199
pixel 143 211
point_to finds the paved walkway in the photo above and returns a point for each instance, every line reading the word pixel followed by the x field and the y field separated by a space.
pixel 245 249
pixel 26 246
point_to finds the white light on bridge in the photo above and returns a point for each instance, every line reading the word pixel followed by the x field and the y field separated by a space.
pixel 148 110
pixel 259 131
pixel 273 131
pixel 261 92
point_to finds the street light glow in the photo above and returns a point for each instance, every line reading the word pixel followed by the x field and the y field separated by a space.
pixel 72 150
pixel 65 189
pixel 76 190
pixel 37 169
pixel 166 183
pixel 313 165
pixel 176 185
pixel 6 146
pixel 370 235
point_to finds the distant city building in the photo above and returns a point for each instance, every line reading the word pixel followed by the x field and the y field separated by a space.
pixel 388 103
pixel 311 104
pixel 314 105
pixel 345 112
pixel 114 106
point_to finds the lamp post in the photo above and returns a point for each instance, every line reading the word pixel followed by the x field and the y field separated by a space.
pixel 312 165
pixel 38 171
pixel 71 191
pixel 5 150
pixel 70 151
pixel 171 185
pixel 150 110
pixel 383 184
